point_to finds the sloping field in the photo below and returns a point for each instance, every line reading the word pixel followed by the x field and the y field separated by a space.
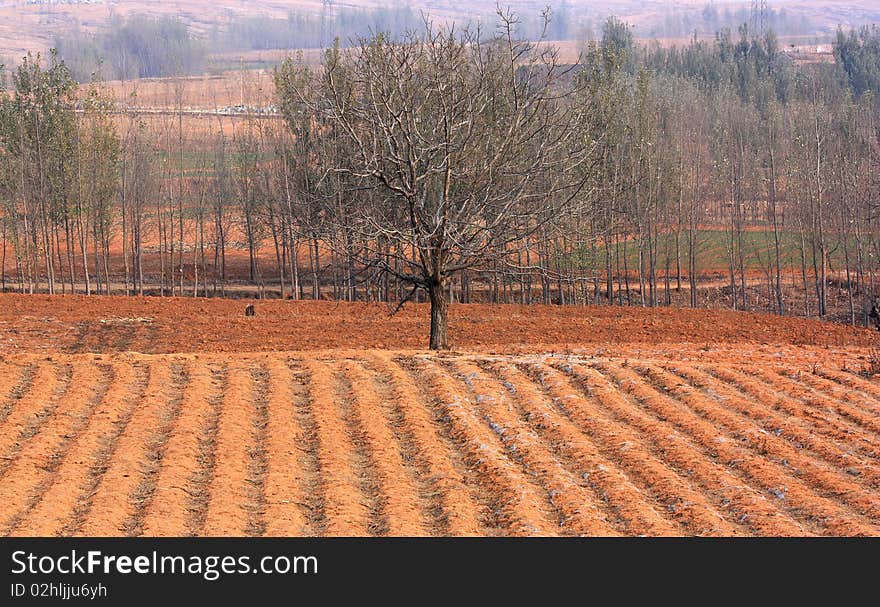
pixel 655 441
pixel 80 324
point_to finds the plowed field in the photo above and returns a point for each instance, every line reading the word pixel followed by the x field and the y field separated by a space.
pixel 164 418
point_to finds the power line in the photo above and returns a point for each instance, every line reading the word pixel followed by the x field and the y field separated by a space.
pixel 326 19
pixel 759 17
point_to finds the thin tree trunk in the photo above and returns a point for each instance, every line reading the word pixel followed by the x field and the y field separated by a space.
pixel 439 338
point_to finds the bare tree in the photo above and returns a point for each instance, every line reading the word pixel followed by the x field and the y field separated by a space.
pixel 468 145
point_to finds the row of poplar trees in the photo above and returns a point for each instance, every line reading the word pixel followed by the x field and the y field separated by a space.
pixel 469 165
pixel 59 178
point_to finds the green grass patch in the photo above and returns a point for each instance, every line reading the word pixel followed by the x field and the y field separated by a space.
pixel 713 248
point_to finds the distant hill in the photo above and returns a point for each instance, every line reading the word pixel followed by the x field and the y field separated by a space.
pixel 31 25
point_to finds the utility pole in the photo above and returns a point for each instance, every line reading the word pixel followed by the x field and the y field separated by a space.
pixel 326 19
pixel 759 16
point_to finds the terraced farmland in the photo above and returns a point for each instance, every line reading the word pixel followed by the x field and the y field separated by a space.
pixel 377 442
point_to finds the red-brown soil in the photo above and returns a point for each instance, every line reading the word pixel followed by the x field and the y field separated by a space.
pixel 122 416
pixel 377 442
pixel 74 324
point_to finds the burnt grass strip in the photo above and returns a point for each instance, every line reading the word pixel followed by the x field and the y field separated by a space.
pixel 21 388
pixel 362 458
pixel 200 480
pixel 143 493
pixel 258 456
pixel 36 421
pixel 430 497
pixel 148 336
pixel 312 490
pixel 109 376
pixel 101 461
pixel 78 344
pixel 126 336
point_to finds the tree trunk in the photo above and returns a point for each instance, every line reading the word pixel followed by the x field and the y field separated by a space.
pixel 439 316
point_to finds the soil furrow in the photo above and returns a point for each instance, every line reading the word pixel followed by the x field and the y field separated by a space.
pixel 817 418
pixel 456 512
pixel 168 511
pixel 789 493
pixel 655 440
pixel 32 411
pixel 742 503
pixel 395 483
pixel 229 498
pixel 865 412
pixel 345 512
pixel 363 460
pixel 255 489
pixel 425 496
pixel 571 495
pixel 34 469
pixel 285 474
pixel 401 494
pixel 112 504
pixel 519 503
pixel 600 446
pixel 788 428
pixel 869 423
pixel 59 501
pixel 202 475
pixel 822 479
pixel 868 388
pixel 99 460
pixel 154 455
pixel 311 491
pixel 14 385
